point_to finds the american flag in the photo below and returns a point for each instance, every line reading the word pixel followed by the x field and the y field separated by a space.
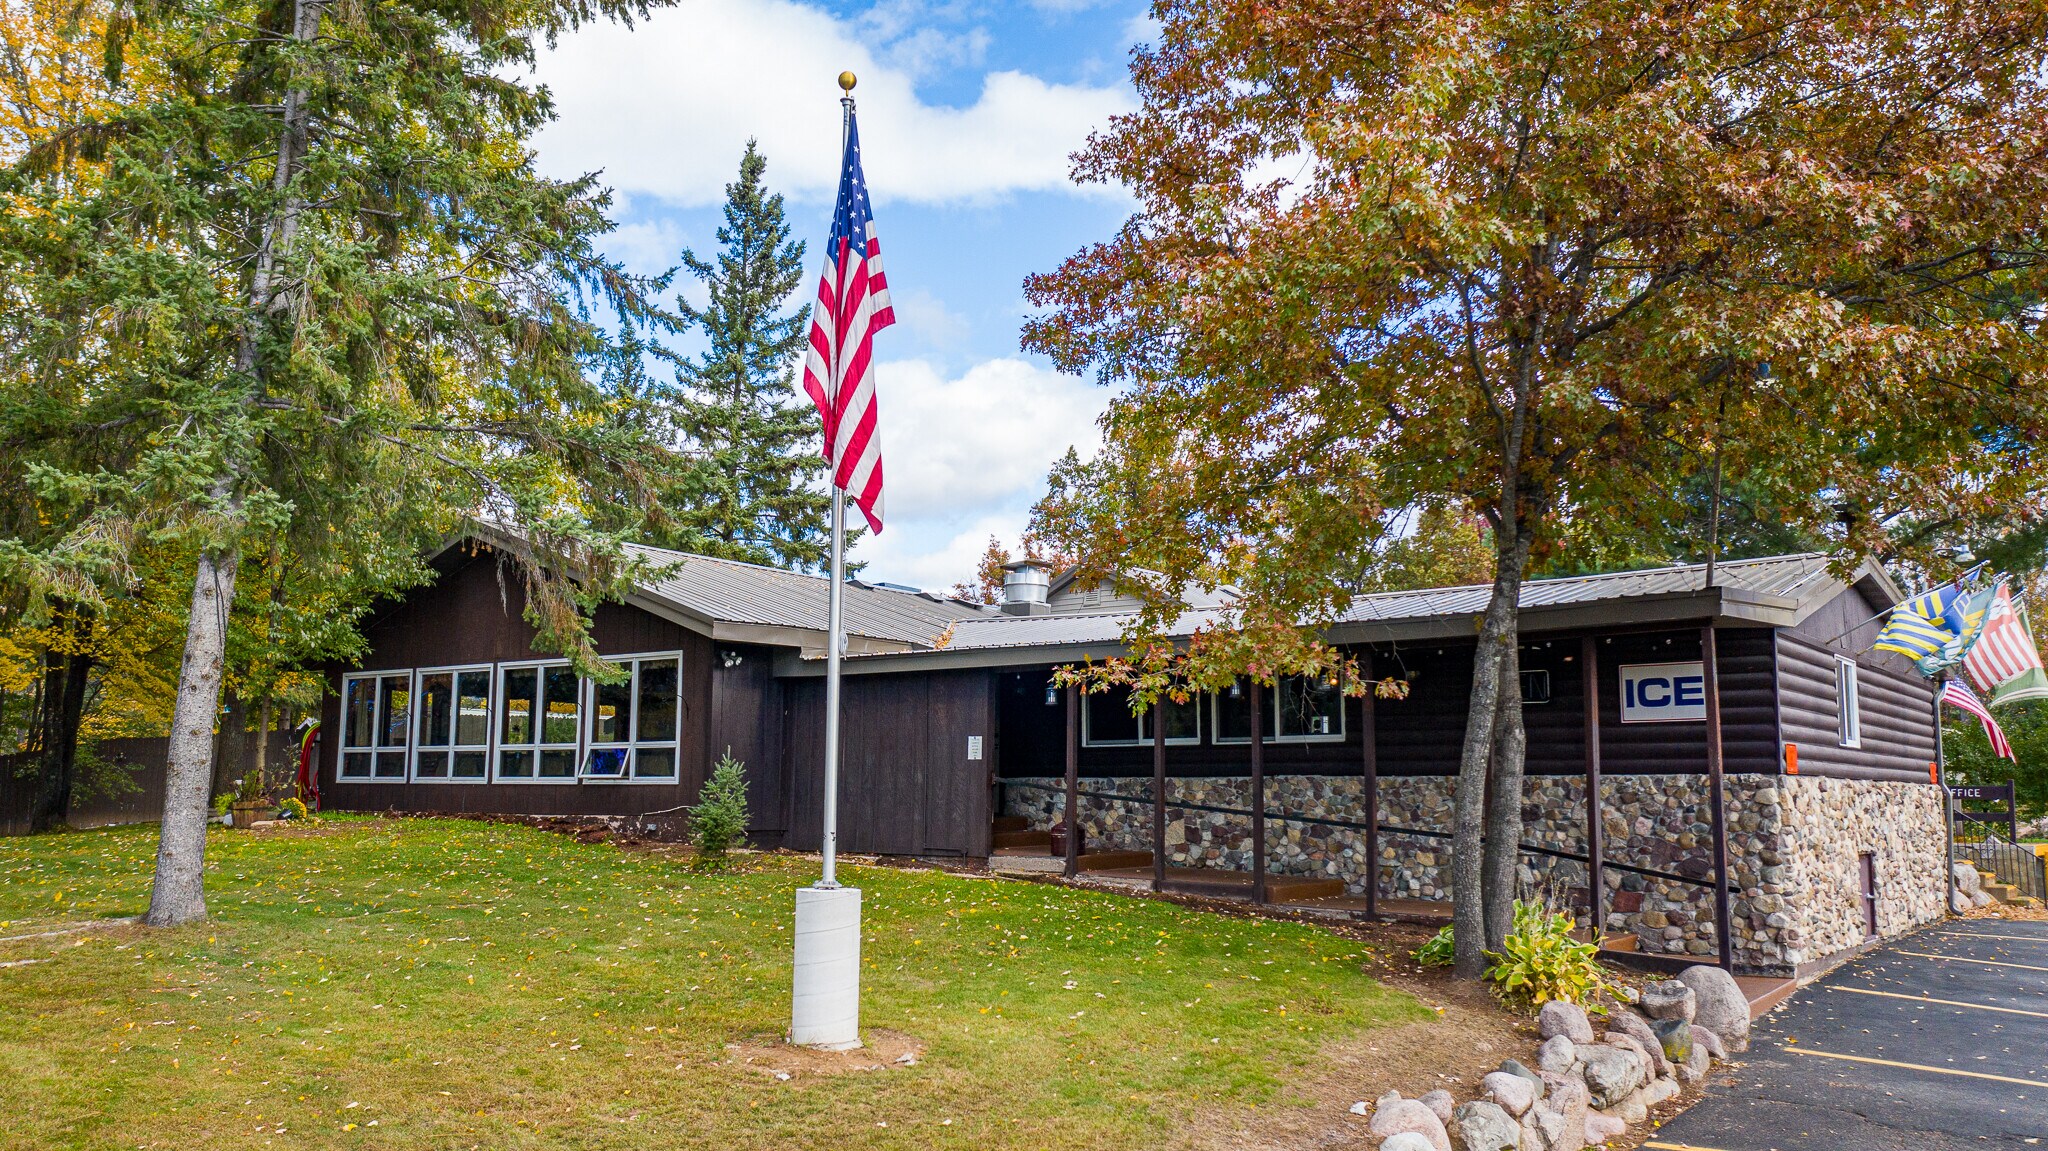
pixel 2005 651
pixel 853 304
pixel 1959 696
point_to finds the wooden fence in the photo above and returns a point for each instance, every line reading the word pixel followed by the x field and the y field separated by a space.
pixel 141 800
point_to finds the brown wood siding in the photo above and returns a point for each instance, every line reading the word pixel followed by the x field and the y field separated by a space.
pixel 1749 721
pixel 906 786
pixel 472 615
pixel 1897 714
pixel 746 718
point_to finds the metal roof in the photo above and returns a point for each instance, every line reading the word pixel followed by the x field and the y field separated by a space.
pixel 727 591
pixel 1781 577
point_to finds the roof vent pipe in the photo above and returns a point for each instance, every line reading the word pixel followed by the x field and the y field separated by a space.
pixel 1024 587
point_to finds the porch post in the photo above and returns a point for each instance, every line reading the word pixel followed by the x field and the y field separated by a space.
pixel 1073 817
pixel 1368 736
pixel 1258 799
pixel 1710 665
pixel 1158 795
pixel 1596 874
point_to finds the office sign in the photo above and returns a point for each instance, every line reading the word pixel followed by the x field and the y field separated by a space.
pixel 1663 692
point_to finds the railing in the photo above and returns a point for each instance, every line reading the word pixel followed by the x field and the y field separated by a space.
pixel 2010 863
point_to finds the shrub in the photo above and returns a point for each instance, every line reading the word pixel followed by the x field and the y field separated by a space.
pixel 1539 961
pixel 1438 952
pixel 720 818
pixel 295 808
pixel 222 802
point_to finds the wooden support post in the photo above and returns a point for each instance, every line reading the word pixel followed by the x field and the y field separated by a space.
pixel 1158 795
pixel 1723 923
pixel 1073 818
pixel 1596 873
pixel 1258 800
pixel 1369 738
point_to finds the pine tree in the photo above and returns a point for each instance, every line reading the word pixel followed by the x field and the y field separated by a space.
pixel 756 493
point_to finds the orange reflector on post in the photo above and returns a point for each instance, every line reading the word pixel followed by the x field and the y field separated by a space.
pixel 1934 773
pixel 1791 759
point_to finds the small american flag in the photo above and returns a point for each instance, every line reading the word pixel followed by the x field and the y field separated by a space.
pixel 853 304
pixel 1959 696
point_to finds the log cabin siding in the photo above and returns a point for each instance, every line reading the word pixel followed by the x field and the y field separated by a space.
pixel 1897 716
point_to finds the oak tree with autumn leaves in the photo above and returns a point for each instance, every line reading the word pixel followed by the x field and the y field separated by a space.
pixel 1546 261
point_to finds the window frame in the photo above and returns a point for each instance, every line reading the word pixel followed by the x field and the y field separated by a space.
pixel 534 747
pixel 419 719
pixel 633 743
pixel 1848 702
pixel 1269 712
pixel 1144 720
pixel 374 749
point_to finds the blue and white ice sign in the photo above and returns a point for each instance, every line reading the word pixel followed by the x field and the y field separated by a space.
pixel 1663 692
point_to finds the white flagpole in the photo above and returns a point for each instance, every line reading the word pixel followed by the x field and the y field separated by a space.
pixel 825 982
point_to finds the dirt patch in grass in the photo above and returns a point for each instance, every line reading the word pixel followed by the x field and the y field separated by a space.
pixel 776 1059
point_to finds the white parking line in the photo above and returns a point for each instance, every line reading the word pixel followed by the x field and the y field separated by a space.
pixel 1939 1002
pixel 1912 1066
pixel 1967 959
pixel 2041 939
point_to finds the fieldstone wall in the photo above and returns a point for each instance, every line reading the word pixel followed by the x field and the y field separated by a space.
pixel 1794 847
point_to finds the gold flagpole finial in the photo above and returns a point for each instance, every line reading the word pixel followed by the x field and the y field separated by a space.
pixel 846 81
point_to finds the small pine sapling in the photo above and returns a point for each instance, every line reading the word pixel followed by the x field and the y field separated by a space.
pixel 720 818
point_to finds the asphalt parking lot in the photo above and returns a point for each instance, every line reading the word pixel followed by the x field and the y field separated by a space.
pixel 1938 1040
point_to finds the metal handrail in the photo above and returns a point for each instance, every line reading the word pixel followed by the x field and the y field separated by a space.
pixel 2011 863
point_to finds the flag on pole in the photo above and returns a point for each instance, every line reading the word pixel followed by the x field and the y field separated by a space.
pixel 852 305
pixel 2005 664
pixel 1937 629
pixel 1959 696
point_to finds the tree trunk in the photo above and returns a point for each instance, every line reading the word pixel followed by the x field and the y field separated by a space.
pixel 1468 887
pixel 64 684
pixel 1504 801
pixel 179 895
pixel 262 757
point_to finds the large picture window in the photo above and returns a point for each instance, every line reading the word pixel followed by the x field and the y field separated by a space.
pixel 1298 709
pixel 376 725
pixel 634 723
pixel 1106 720
pixel 454 724
pixel 539 714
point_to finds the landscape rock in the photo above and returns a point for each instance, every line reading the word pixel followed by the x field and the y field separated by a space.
pixel 1631 1110
pixel 1407 1141
pixel 1696 1065
pixel 1599 1128
pixel 1659 1090
pixel 1723 1009
pixel 1545 1128
pixel 1674 1037
pixel 1566 1019
pixel 1483 1126
pixel 1514 1094
pixel 1705 1037
pixel 1517 1067
pixel 1646 1067
pixel 1569 1102
pixel 1669 999
pixel 1556 1054
pixel 1440 1101
pixel 1611 1073
pixel 1637 1028
pixel 1410 1116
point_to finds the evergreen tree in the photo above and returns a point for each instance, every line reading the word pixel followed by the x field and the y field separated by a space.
pixel 754 485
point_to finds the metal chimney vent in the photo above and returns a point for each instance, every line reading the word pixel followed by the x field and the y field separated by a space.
pixel 1024 587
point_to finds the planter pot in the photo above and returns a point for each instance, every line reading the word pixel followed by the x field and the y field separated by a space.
pixel 248 813
pixel 1058 835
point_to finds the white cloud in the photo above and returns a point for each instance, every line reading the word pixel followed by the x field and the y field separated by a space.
pixel 967 456
pixel 666 107
pixel 927 318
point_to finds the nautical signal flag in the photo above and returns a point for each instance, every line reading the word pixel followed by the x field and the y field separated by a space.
pixel 853 304
pixel 2005 663
pixel 1959 696
pixel 1936 629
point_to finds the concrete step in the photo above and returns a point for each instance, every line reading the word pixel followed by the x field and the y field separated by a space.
pixel 1042 839
pixel 1012 823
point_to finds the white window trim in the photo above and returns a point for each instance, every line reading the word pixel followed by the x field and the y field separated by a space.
pixel 500 700
pixel 632 745
pixel 1848 703
pixel 419 719
pixel 376 724
pixel 1270 716
pixel 1144 736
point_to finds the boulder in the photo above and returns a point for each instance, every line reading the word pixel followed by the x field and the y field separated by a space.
pixel 1635 1027
pixel 1556 1054
pixel 1674 1037
pixel 1705 1037
pixel 1407 1141
pixel 1516 1067
pixel 1568 1102
pixel 1410 1116
pixel 1566 1019
pixel 1545 1128
pixel 1632 1110
pixel 1610 1072
pixel 1723 1008
pixel 1600 1128
pixel 1514 1094
pixel 1483 1126
pixel 1636 1051
pixel 1669 999
pixel 1440 1101
pixel 1696 1065
pixel 1969 881
pixel 1658 1091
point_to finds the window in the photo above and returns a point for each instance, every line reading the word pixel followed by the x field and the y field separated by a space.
pixel 1535 686
pixel 376 721
pixel 634 723
pixel 1106 720
pixel 454 724
pixel 1298 709
pixel 539 711
pixel 1848 710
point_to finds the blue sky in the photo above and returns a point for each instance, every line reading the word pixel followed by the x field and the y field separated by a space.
pixel 968 113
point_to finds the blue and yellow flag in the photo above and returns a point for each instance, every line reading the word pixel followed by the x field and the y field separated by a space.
pixel 1937 629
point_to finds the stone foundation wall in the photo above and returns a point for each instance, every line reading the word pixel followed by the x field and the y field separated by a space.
pixel 1794 848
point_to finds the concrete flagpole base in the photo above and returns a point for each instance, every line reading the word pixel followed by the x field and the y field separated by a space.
pixel 825 988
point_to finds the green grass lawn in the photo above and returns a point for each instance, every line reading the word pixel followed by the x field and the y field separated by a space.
pixel 444 984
